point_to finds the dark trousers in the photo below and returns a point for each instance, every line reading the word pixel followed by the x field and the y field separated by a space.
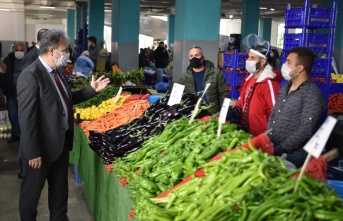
pixel 12 107
pixel 56 173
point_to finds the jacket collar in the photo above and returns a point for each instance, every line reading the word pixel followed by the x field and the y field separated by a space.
pixel 266 73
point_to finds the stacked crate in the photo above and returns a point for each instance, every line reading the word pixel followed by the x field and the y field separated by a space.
pixel 310 20
pixel 81 40
pixel 234 71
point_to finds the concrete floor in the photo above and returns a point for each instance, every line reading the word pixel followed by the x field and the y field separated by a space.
pixel 10 187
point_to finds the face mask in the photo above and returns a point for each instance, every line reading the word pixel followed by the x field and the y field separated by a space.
pixel 19 55
pixel 286 72
pixel 63 59
pixel 252 66
pixel 195 62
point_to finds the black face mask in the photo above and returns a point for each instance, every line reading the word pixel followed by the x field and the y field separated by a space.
pixel 195 62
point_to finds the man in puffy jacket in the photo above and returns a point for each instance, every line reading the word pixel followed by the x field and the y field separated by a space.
pixel 201 72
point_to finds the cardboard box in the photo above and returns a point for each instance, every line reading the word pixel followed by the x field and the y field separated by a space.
pixel 221 59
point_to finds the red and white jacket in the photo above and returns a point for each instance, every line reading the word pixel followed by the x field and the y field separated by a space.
pixel 265 91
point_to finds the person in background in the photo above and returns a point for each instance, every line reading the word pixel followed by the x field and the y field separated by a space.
pixel 161 57
pixel 108 63
pixel 201 72
pixel 32 55
pixel 94 49
pixel 2 98
pixel 14 64
pixel 83 65
pixel 143 58
pixel 259 90
pixel 46 117
pixel 299 106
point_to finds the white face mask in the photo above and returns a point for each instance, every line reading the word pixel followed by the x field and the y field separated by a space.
pixel 250 66
pixel 19 55
pixel 285 70
pixel 63 59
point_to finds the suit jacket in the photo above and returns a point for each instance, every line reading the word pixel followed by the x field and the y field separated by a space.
pixel 30 57
pixel 41 113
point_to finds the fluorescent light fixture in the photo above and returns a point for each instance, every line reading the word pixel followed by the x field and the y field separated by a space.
pixel 47 7
pixel 4 9
pixel 231 16
pixel 263 8
pixel 164 18
pixel 272 9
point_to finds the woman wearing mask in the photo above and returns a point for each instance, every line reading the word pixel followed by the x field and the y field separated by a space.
pixel 83 65
pixel 259 90
pixel 201 72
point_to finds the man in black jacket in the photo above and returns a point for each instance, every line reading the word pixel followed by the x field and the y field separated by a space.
pixel 161 57
pixel 13 63
pixel 32 55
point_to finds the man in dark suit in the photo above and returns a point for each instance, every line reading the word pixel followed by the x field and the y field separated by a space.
pixel 32 55
pixel 46 119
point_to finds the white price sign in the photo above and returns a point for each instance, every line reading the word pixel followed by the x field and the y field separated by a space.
pixel 317 143
pixel 224 109
pixel 176 94
pixel 118 95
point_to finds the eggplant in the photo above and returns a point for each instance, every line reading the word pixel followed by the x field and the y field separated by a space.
pixel 131 144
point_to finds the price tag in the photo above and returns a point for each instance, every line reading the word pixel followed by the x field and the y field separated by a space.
pixel 206 87
pixel 118 95
pixel 176 94
pixel 317 143
pixel 224 110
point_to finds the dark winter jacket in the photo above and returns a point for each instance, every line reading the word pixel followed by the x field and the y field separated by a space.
pixel 7 87
pixel 161 57
pixel 216 92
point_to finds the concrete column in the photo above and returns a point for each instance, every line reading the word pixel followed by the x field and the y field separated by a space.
pixel 96 19
pixel 250 17
pixel 171 31
pixel 125 33
pixel 196 23
pixel 265 28
pixel 71 25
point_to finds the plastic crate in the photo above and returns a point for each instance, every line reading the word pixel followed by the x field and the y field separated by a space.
pixel 240 77
pixel 320 18
pixel 320 67
pixel 335 88
pixel 241 59
pixel 317 18
pixel 292 40
pixel 229 77
pixel 294 18
pixel 319 43
pixel 78 180
pixel 337 186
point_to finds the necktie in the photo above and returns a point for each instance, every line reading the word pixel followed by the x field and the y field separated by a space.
pixel 66 101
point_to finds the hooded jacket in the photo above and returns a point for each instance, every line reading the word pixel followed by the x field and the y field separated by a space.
pixel 262 100
pixel 216 92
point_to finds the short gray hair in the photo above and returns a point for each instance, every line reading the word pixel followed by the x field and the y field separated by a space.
pixel 51 38
pixel 197 47
pixel 21 44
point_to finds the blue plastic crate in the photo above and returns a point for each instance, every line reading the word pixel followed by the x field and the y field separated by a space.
pixel 240 77
pixel 229 77
pixel 320 67
pixel 292 40
pixel 322 87
pixel 294 18
pixel 335 88
pixel 241 59
pixel 320 18
pixel 337 186
pixel 319 43
pixel 78 179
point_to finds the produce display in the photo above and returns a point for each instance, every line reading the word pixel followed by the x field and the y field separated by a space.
pixel 117 77
pixel 244 185
pixel 177 152
pixel 119 116
pixel 335 103
pixel 107 93
pixel 78 82
pixel 338 78
pixel 127 138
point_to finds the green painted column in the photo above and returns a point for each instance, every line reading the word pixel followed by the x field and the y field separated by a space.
pixel 81 14
pixel 196 23
pixel 125 33
pixel 338 53
pixel 71 25
pixel 96 19
pixel 171 30
pixel 265 28
pixel 250 17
